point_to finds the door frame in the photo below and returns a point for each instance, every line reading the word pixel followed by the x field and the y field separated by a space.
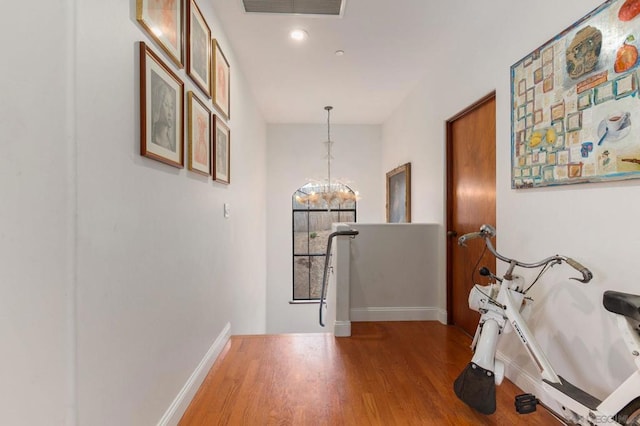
pixel 449 193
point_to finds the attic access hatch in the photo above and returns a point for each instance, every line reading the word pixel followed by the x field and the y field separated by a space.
pixel 296 7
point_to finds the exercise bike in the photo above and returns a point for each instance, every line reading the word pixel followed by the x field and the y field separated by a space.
pixel 500 305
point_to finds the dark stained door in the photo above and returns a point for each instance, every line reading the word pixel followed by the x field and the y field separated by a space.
pixel 471 202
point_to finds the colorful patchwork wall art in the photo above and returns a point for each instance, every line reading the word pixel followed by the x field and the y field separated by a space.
pixel 575 110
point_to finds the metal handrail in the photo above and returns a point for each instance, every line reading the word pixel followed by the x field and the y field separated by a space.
pixel 352 233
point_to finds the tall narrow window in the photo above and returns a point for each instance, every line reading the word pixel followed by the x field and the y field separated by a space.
pixel 311 228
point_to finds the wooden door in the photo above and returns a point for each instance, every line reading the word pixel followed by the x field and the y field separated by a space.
pixel 471 201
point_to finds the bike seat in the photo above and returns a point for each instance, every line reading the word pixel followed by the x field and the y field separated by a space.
pixel 624 304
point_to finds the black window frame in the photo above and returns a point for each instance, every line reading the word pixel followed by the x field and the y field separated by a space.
pixel 338 208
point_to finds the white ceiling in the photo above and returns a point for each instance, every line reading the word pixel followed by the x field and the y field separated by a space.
pixel 385 57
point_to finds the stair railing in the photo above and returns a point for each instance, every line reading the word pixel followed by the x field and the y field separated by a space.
pixel 327 259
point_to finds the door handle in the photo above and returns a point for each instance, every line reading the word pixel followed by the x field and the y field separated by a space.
pixel 452 234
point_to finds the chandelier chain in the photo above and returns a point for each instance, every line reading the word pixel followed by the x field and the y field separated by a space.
pixel 328 194
pixel 328 108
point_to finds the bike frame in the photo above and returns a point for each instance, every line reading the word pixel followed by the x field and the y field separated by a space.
pixel 606 411
pixel 497 310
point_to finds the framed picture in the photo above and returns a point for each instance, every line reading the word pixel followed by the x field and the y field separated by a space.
pixel 221 152
pixel 198 135
pixel 589 127
pixel 198 48
pixel 161 110
pixel 221 81
pixel 162 19
pixel 399 194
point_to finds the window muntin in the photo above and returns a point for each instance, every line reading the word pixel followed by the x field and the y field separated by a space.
pixel 311 228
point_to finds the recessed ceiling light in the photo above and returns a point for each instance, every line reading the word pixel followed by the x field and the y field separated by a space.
pixel 299 35
pixel 339 52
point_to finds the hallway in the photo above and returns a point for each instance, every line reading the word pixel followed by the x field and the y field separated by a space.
pixel 388 373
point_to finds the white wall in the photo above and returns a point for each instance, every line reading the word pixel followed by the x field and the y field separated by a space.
pixel 593 223
pixel 295 154
pixel 161 272
pixel 118 273
pixel 36 189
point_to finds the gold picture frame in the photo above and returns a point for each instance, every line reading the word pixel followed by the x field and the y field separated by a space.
pixel 198 135
pixel 221 81
pixel 198 48
pixel 162 20
pixel 221 152
pixel 399 194
pixel 161 110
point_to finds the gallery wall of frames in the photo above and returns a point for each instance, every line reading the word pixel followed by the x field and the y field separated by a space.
pixel 182 41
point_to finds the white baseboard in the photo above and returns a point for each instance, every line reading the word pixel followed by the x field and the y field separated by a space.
pixel 342 329
pixel 527 382
pixel 442 317
pixel 403 313
pixel 179 405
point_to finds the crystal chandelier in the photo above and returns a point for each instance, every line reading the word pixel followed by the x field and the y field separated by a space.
pixel 329 193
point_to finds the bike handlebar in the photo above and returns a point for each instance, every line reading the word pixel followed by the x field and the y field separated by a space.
pixel 487 232
pixel 586 273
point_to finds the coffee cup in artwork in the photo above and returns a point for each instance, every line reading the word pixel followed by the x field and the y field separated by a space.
pixel 617 121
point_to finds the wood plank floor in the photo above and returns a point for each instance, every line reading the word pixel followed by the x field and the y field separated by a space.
pixel 387 373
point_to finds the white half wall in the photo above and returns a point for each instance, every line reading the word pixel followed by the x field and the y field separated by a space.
pixel 592 222
pixel 296 153
pixel 393 272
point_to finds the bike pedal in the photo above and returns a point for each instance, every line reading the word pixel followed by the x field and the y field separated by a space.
pixel 526 403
